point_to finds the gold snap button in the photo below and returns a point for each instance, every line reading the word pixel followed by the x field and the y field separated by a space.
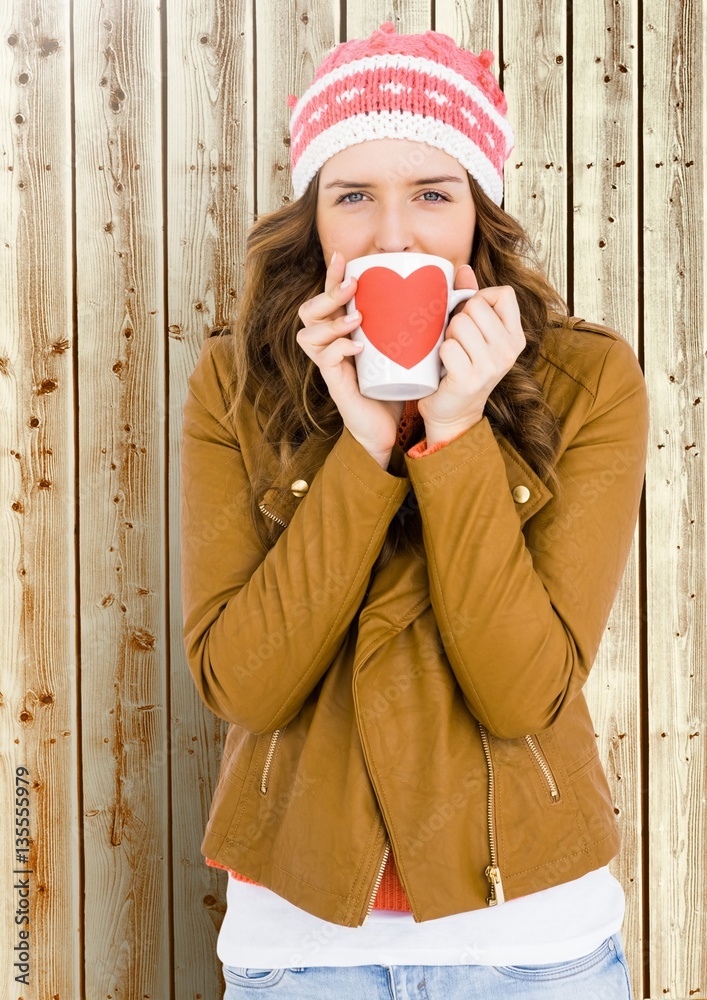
pixel 299 487
pixel 521 494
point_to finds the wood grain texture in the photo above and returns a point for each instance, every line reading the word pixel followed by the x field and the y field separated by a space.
pixel 210 206
pixel 38 671
pixel 408 16
pixel 675 350
pixel 121 460
pixel 472 25
pixel 604 210
pixel 534 48
pixel 290 45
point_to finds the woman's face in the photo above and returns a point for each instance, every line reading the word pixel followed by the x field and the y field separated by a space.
pixel 390 196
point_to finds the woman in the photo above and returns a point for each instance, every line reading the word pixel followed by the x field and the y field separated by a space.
pixel 396 605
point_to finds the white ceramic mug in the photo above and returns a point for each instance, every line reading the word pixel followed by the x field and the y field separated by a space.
pixel 405 300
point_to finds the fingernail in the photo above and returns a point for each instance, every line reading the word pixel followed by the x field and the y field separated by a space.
pixel 333 258
pixel 346 282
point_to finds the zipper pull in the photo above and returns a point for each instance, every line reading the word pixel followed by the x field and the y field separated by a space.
pixel 493 874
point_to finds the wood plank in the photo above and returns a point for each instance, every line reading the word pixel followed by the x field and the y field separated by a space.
pixel 408 16
pixel 534 78
pixel 474 26
pixel 301 43
pixel 122 419
pixel 38 724
pixel 675 349
pixel 604 213
pixel 210 174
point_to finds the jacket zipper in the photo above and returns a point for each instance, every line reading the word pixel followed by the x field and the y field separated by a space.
pixel 544 767
pixel 492 871
pixel 268 760
pixel 379 878
pixel 269 513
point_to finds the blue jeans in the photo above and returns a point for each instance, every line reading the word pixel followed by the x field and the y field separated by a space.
pixel 600 975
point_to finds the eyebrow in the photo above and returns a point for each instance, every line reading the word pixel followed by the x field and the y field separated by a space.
pixel 442 179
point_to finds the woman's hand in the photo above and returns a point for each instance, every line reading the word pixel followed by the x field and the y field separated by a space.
pixel 482 341
pixel 325 339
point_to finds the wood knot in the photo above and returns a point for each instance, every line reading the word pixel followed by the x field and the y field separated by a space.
pixel 142 639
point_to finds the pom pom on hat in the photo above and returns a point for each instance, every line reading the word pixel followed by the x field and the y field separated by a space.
pixel 379 38
pixel 421 87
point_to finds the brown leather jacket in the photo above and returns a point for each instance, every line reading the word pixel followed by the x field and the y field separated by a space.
pixel 435 709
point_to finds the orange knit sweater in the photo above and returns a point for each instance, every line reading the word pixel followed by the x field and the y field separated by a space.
pixel 390 895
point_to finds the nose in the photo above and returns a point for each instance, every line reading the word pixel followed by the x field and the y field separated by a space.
pixel 392 233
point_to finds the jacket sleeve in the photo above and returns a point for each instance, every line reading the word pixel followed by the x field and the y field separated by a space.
pixel 262 626
pixel 421 449
pixel 522 616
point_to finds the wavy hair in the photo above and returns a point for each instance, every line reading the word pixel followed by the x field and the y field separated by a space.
pixel 284 267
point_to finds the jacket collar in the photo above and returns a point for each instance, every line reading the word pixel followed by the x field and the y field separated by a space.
pixel 279 498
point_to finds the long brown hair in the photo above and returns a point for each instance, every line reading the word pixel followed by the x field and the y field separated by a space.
pixel 285 387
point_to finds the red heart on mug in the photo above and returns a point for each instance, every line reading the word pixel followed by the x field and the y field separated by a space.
pixel 403 317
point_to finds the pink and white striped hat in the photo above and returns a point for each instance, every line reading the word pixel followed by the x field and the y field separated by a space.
pixel 421 87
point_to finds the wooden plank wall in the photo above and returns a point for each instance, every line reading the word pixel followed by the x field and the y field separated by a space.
pixel 39 670
pixel 210 158
pixel 137 145
pixel 675 349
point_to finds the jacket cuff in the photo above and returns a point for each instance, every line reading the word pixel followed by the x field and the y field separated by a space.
pixel 444 457
pixel 420 449
pixel 357 461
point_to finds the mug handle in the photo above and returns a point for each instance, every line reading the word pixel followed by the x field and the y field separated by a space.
pixel 458 295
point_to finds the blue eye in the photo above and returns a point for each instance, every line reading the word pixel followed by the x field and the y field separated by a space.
pixel 343 197
pixel 357 197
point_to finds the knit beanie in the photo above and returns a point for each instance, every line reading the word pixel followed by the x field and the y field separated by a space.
pixel 421 87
